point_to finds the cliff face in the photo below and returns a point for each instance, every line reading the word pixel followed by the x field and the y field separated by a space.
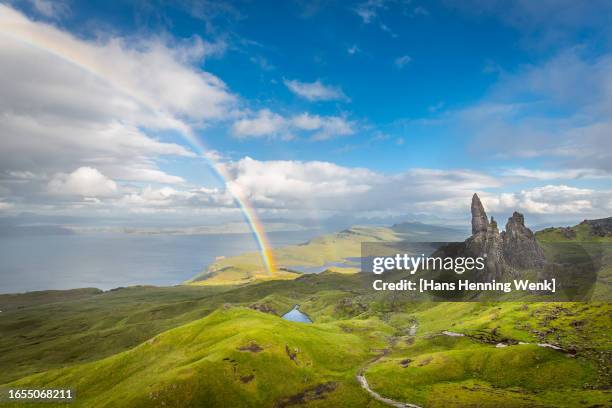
pixel 514 248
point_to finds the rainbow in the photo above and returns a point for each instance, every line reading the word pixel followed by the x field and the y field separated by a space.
pixel 47 38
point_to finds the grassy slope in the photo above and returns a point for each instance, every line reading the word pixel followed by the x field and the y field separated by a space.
pixel 40 332
pixel 470 371
pixel 202 364
pixel 565 243
pixel 359 324
pixel 319 251
pixel 581 232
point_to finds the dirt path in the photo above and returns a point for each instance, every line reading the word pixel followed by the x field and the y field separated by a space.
pixel 363 382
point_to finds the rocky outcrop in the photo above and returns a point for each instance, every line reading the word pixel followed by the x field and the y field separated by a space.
pixel 515 248
pixel 520 248
pixel 485 239
pixel 479 216
pixel 601 227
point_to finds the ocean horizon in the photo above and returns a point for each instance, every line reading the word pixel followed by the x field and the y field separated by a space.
pixel 108 260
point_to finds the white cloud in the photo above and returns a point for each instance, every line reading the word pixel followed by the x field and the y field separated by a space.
pixel 167 199
pixel 5 205
pixel 297 186
pixel 401 62
pixel 315 91
pixel 269 124
pixel 294 184
pixel 325 127
pixel 265 123
pixel 553 200
pixel 84 181
pixel 307 121
pixel 146 74
pixel 69 103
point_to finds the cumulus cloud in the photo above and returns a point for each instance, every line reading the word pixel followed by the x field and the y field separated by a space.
pixel 325 127
pixel 553 199
pixel 149 200
pixel 84 181
pixel 299 186
pixel 269 124
pixel 315 91
pixel 69 103
pixel 291 188
pixel 265 123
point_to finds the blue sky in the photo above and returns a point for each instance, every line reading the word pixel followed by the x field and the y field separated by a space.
pixel 314 109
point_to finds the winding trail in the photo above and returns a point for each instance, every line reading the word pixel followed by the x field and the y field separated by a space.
pixel 363 382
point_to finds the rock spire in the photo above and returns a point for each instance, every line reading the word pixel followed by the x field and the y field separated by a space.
pixel 479 216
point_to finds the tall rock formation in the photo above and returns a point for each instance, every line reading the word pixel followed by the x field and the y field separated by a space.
pixel 479 216
pixel 521 250
pixel 514 248
pixel 485 241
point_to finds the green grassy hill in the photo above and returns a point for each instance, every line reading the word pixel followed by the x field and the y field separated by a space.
pixel 590 239
pixel 226 345
pixel 589 230
pixel 135 358
pixel 233 357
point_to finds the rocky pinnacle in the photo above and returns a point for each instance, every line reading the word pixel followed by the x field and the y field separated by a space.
pixel 516 247
pixel 479 216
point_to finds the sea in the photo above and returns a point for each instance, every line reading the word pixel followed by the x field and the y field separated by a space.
pixel 108 260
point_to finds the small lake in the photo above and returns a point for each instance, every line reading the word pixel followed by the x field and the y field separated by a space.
pixel 294 315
